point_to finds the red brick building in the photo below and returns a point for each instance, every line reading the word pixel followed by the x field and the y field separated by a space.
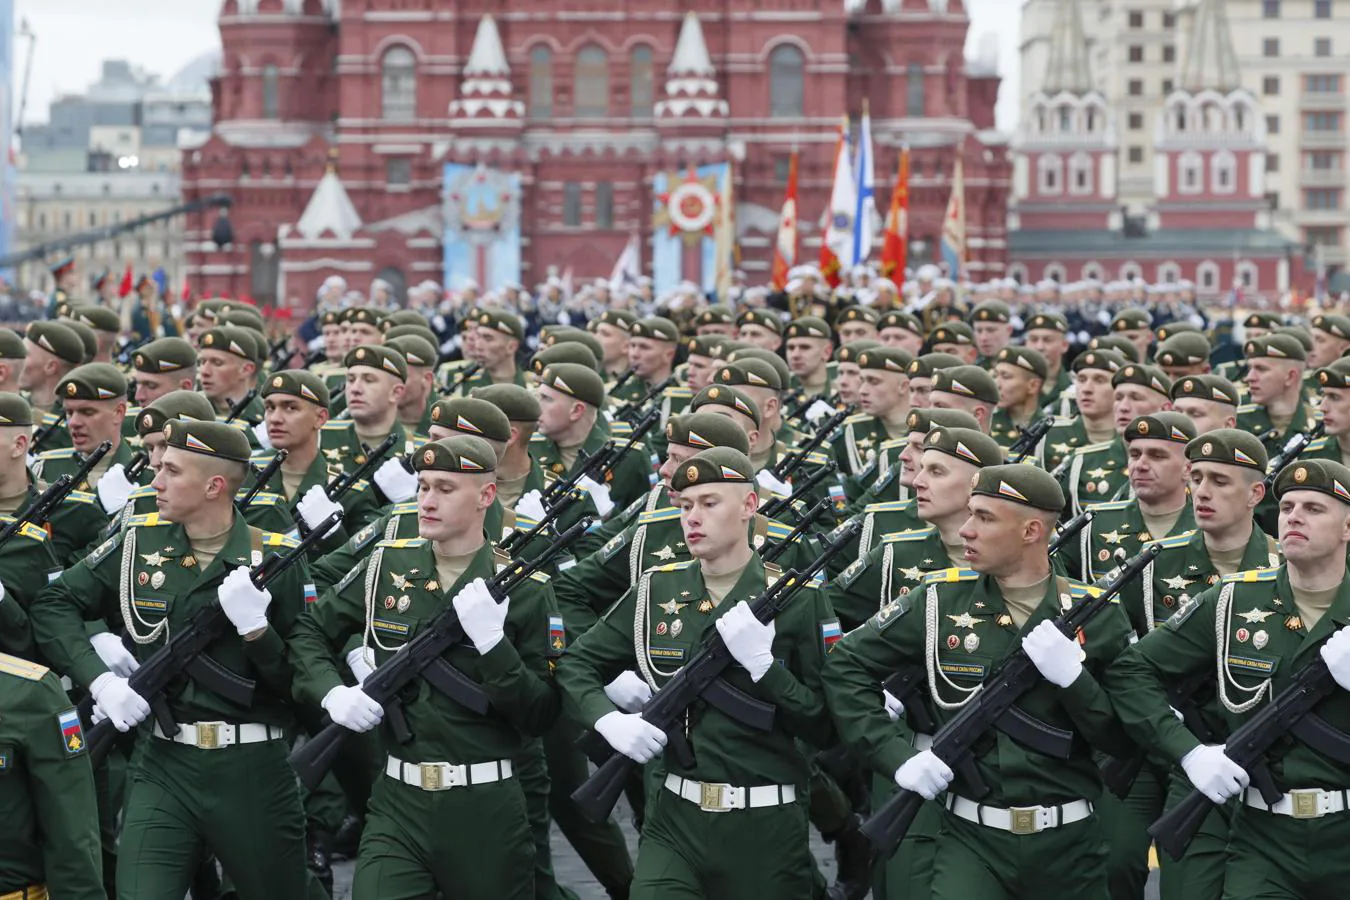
pixel 586 101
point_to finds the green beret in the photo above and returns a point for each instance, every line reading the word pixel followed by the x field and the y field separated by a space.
pixel 849 352
pixel 728 396
pixel 1315 475
pixel 378 357
pixel 363 315
pixel 1298 333
pixel 502 321
pixel 742 353
pixel 1172 329
pixel 417 351
pixel 572 335
pixel 991 311
pixel 567 352
pixel 1267 320
pixel 1147 376
pixel 1206 387
pixel 14 410
pixel 720 465
pixel 1131 320
pixel 716 314
pixel 704 430
pixel 99 318
pixel 1161 426
pixel 519 404
pixel 209 309
pixel 809 327
pixel 474 416
pixel 167 354
pixel 925 365
pixel 174 405
pixel 969 445
pixel 966 381
pixel 727 347
pixel 1122 345
pixel 1026 359
pixel 575 381
pixel 93 382
pixel 749 372
pixel 1185 349
pixel 461 453
pixel 57 338
pixel 11 345
pixel 1048 321
pixel 1022 484
pixel 898 318
pixel 858 314
pixel 619 318
pixel 761 317
pixel 655 328
pixel 1229 446
pixel 244 318
pixel 298 383
pixel 887 359
pixel 1283 347
pixel 208 438
pixel 951 333
pixel 925 420
pixel 88 339
pixel 332 317
pixel 230 339
pixel 403 317
pixel 421 331
pixel 1334 325
pixel 704 344
pixel 1102 360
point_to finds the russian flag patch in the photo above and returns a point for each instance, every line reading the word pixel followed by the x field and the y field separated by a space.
pixel 837 495
pixel 830 634
pixel 310 594
pixel 72 734
pixel 557 635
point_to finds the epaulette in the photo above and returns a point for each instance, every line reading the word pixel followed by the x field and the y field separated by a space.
pixel 84 497
pixel 673 567
pixel 1113 505
pixel 1319 444
pixel 667 514
pixel 1176 540
pixel 817 458
pixel 1252 575
pixel 49 418
pixel 22 668
pixel 67 453
pixel 525 522
pixel 889 506
pixel 402 543
pixel 1248 407
pixel 904 537
pixel 541 577
pixel 948 576
pixel 339 425
pixel 403 509
pixel 144 491
pixel 1062 422
pixel 857 418
pixel 263 498
pixel 361 485
pixel 893 443
pixel 149 520
pixel 262 457
pixel 675 392
pixel 28 529
pixel 1078 591
pixel 620 428
pixel 1093 448
pixel 537 438
pixel 273 539
pixel 776 530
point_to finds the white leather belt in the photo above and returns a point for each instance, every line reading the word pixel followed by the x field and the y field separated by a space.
pixel 923 741
pixel 1312 803
pixel 442 776
pixel 218 735
pixel 1019 819
pixel 725 797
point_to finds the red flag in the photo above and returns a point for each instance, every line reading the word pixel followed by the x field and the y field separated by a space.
pixel 124 289
pixel 187 291
pixel 785 251
pixel 895 240
pixel 829 262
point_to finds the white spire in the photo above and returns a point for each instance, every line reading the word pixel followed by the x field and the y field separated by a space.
pixel 487 80
pixel 1069 68
pixel 691 51
pixel 488 56
pixel 330 211
pixel 691 81
pixel 1210 62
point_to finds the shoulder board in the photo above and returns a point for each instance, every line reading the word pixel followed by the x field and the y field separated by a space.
pixel 403 509
pixel 262 498
pixel 1114 505
pixel 541 577
pixel 1318 444
pixel 659 515
pixel 857 418
pixel 272 539
pixel 620 428
pixel 894 442
pixel 67 453
pixel 1063 422
pixel 673 567
pixel 149 520
pixel 889 506
pixel 141 493
pixel 776 530
pixel 362 485
pixel 262 457
pixel 537 438
pixel 902 537
pixel 1078 591
pixel 525 522
pixel 339 425
pixel 946 576
pixel 82 497
pixel 49 418
pixel 1176 540
pixel 1094 448
pixel 1252 575
pixel 402 544
pixel 1248 408
pixel 818 458
pixel 678 392
pixel 22 668
pixel 29 530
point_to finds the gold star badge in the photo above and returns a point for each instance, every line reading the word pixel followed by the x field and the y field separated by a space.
pixel 664 553
pixel 153 559
pixel 1112 537
pixel 1097 473
pixel 1178 583
pixel 400 581
pixel 966 620
pixel 1255 615
pixel 672 607
pixel 913 574
pixel 333 454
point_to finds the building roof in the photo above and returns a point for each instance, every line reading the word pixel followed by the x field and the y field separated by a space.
pixel 487 57
pixel 1161 244
pixel 1210 62
pixel 1068 68
pixel 691 55
pixel 330 211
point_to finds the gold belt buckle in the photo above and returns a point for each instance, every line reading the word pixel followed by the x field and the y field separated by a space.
pixel 208 735
pixel 1306 805
pixel 1024 819
pixel 710 797
pixel 431 776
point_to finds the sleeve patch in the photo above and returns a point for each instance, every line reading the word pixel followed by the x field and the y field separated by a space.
pixel 350 577
pixel 101 551
pixel 363 537
pixel 557 636
pixel 830 634
pixel 72 733
pixel 1184 612
pixel 850 575
pixel 889 614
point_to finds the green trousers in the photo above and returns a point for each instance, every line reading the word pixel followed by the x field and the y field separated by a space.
pixel 973 861
pixel 908 874
pixel 469 843
pixel 601 847
pixel 1125 825
pixel 1281 858
pixel 1199 874
pixel 241 804
pixel 689 854
pixel 532 772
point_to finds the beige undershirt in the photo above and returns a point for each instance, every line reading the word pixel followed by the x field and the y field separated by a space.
pixel 290 482
pixel 569 456
pixel 1345 456
pixel 371 438
pixel 1101 435
pixel 449 569
pixel 208 548
pixel 1226 562
pixel 510 489
pixel 11 505
pixel 817 381
pixel 1312 604
pixel 900 429
pixel 1161 526
pixel 720 585
pixel 96 473
pixel 1024 601
pixel 956 553
pixel 1280 423
pixel 761 460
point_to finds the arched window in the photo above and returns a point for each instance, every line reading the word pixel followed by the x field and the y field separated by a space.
pixel 1223 174
pixel 1093 271
pixel 1131 272
pixel 591 89
pixel 787 85
pixel 914 100
pixel 640 81
pixel 1080 174
pixel 1207 276
pixel 541 82
pixel 1190 173
pixel 1065 119
pixel 1018 272
pixel 271 92
pixel 398 85
pixel 1056 272
pixel 1050 174
pixel 1169 273
pixel 1247 275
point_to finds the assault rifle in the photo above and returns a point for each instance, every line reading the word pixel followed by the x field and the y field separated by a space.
pixel 44 434
pixel 341 484
pixel 238 408
pixel 790 462
pixel 462 376
pixel 1069 530
pixel 1029 438
pixel 636 407
pixel 44 504
pixel 778 548
pixel 1296 445
pixel 780 505
pixel 261 479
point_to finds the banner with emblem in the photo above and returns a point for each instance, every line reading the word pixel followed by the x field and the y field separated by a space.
pixel 481 209
pixel 685 218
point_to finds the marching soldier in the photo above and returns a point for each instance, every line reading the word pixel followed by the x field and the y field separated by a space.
pixel 898 328
pixel 991 321
pixel 1186 353
pixel 921 372
pixel 1097 473
pixel 13 352
pixel 497 338
pixel 1048 335
pixel 414 410
pixel 376 378
pixel 967 388
pixel 1210 402
pixel 53 349
pixel 611 329
pixel 956 339
pixel 1256 324
pixel 883 396
pixel 651 356
pixel 161 366
pixel 760 328
pixel 1330 340
pixel 106 327
pixel 227 366
pixel 1279 410
pixel 809 348
pixel 847 376
pixel 1019 374
pixel 1095 402
pixel 1136 326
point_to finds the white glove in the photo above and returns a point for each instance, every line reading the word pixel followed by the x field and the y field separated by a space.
pixel 359 664
pixel 531 505
pixel 628 692
pixel 114 489
pixel 260 432
pixel 114 654
pixel 749 640
pixel 397 483
pixel 894 708
pixel 1058 658
pixel 818 410
pixel 924 774
pixel 244 604
pixel 315 506
pixel 1336 654
pixel 483 618
pixel 352 708
pixel 773 484
pixel 114 699
pixel 599 495
pixel 631 735
pixel 1213 773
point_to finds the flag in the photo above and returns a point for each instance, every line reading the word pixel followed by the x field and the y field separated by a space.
pixel 628 267
pixel 954 226
pixel 725 235
pixel 895 240
pixel 124 289
pixel 161 280
pixel 187 291
pixel 837 245
pixel 785 251
pixel 865 209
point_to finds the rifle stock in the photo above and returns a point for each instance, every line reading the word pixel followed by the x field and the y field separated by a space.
pixel 240 405
pixel 1297 444
pixel 44 433
pixel 262 478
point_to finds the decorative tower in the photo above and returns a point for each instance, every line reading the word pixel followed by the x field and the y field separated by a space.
pixel 693 113
pixel 486 100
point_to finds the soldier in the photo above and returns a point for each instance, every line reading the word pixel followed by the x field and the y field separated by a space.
pixel 956 339
pixel 992 323
pixel 1183 354
pixel 968 622
pixel 88 339
pixel 760 327
pixel 1097 472
pixel 1278 411
pixel 1019 374
pixel 898 328
pixel 1330 340
pixel 1256 324
pixel 888 505
pixel 161 366
pixel 1136 326
pixel 1095 404
pixel 414 410
pixel 857 323
pixel 883 396
pixel 809 347
pixel 967 388
pixel 12 355
pixel 920 373
pixel 848 377
pixel 611 329
pixel 651 355
pixel 716 319
pixel 228 370
pixel 498 335
pixel 738 801
pixel 53 349
pixel 1210 402
pixel 1244 638
pixel 106 328
pixel 700 364
pixel 458 767
pixel 222 783
pixel 1048 335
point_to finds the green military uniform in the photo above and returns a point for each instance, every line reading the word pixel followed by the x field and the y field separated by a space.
pixel 339 445
pixel 46 790
pixel 627 481
pixel 1115 527
pixel 52 427
pixel 52 464
pixel 1004 429
pixel 1255 419
pixel 1097 471
pixel 359 505
pixel 1052 392
pixel 1068 433
pixel 856 449
pixel 27 561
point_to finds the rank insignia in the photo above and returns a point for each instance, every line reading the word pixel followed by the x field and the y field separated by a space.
pixel 155 560
pixel 672 607
pixel 72 734
pixel 1255 616
pixel 965 620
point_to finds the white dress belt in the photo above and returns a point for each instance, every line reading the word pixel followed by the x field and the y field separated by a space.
pixel 1019 819
pixel 1312 803
pixel 713 797
pixel 442 776
pixel 219 735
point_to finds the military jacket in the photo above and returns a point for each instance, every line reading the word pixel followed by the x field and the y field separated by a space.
pixel 251 415
pixel 628 481
pixel 1052 392
pixel 959 631
pixel 1004 430
pixel 269 512
pixel 75 526
pixel 391 598
pixel 631 391
pixel 1115 527
pixel 52 464
pixel 1253 418
pixel 1097 474
pixel 893 568
pixel 1063 438
pixel 59 437
pixel 359 505
pixel 47 798
pixel 27 562
pixel 658 627
pixel 857 445
pixel 340 447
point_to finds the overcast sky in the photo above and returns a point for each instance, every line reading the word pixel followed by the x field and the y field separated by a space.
pixel 162 36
